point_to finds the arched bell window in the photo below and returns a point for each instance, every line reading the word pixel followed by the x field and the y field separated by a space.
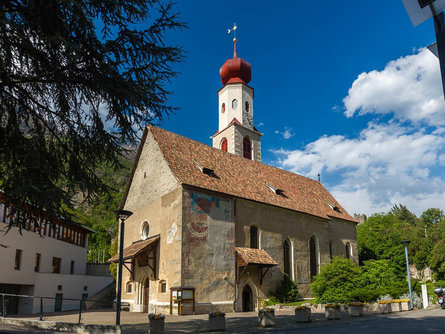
pixel 224 144
pixel 247 148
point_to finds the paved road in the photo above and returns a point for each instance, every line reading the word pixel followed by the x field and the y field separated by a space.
pixel 9 329
pixel 419 321
pixel 422 321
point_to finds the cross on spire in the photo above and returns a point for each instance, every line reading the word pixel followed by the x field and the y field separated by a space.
pixel 233 29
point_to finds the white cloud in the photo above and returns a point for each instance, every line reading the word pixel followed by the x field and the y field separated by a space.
pixel 410 88
pixel 392 162
pixel 386 164
pixel 286 134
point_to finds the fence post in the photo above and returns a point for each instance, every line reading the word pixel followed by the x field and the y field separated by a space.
pixel 41 309
pixel 3 306
pixel 80 311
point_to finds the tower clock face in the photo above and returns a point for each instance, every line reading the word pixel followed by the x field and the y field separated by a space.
pixel 234 104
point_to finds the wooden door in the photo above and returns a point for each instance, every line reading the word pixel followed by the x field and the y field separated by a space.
pixel 247 299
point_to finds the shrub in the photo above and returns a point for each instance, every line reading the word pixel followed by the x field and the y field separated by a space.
pixel 365 294
pixel 286 292
pixel 336 281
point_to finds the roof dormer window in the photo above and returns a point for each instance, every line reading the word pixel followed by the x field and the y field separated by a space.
pixel 335 208
pixel 206 170
pixel 276 190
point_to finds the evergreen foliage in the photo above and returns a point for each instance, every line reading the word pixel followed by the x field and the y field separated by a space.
pixel 287 291
pixel 78 80
pixel 343 281
pixel 380 236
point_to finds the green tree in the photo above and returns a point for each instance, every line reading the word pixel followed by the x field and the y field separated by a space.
pixel 432 216
pixel 336 281
pixel 78 79
pixel 287 291
pixel 379 274
pixel 379 238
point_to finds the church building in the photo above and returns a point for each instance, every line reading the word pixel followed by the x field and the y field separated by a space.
pixel 220 221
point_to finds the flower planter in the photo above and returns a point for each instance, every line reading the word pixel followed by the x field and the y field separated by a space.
pixel 404 306
pixel 156 326
pixel 332 313
pixel 395 307
pixel 355 311
pixel 385 308
pixel 303 315
pixel 266 317
pixel 217 323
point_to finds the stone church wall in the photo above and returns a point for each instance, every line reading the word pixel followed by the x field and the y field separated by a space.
pixel 208 249
pixel 152 177
pixel 275 225
pixel 164 217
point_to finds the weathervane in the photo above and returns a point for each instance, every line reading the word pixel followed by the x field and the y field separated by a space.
pixel 234 37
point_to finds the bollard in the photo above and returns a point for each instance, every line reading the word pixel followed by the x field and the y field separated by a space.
pixel 3 306
pixel 41 309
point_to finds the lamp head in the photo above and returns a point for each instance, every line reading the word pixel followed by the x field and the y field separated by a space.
pixel 123 214
pixel 406 242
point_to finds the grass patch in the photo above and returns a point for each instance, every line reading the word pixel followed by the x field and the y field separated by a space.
pixel 300 302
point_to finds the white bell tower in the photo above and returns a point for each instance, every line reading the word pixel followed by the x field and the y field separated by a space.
pixel 236 133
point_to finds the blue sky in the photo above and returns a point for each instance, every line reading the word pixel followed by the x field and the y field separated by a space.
pixel 343 88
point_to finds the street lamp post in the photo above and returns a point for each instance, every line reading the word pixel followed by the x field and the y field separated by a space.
pixel 122 215
pixel 406 243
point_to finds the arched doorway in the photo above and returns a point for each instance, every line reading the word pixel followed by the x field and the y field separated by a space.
pixel 146 292
pixel 247 299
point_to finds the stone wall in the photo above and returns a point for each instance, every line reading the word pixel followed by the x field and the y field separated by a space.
pixel 275 225
pixel 164 217
pixel 208 247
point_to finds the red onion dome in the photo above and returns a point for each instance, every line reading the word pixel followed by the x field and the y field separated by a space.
pixel 235 70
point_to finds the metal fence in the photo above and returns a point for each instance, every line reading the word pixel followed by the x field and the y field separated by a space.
pixel 81 302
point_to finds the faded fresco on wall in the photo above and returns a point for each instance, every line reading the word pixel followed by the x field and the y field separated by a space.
pixel 210 233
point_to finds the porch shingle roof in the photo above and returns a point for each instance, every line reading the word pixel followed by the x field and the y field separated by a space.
pixel 135 249
pixel 255 256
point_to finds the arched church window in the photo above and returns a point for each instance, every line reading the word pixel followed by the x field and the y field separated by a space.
pixel 348 250
pixel 247 106
pixel 162 286
pixel 330 250
pixel 129 288
pixel 223 107
pixel 145 230
pixel 287 258
pixel 313 256
pixel 254 237
pixel 247 148
pixel 224 144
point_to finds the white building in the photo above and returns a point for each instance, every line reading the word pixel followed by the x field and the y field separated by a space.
pixel 52 264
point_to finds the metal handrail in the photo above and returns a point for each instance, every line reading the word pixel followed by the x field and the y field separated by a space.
pixel 81 303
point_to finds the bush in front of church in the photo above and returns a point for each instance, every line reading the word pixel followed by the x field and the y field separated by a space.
pixel 336 281
pixel 286 292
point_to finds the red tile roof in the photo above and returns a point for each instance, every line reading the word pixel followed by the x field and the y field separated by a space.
pixel 254 256
pixel 243 178
pixel 136 248
pixel 235 121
